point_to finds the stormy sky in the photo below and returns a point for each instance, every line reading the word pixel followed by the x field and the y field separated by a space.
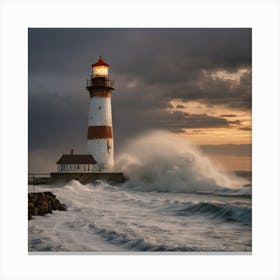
pixel 193 82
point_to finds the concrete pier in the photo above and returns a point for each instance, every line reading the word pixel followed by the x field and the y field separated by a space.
pixel 39 178
pixel 85 178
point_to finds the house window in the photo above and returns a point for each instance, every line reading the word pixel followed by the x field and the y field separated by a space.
pixel 88 167
pixel 77 167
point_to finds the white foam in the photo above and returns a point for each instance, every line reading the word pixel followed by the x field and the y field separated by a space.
pixel 162 162
pixel 104 218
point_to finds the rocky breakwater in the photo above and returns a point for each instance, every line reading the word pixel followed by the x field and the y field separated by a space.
pixel 41 203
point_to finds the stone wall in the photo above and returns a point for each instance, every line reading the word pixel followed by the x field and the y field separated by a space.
pixel 85 178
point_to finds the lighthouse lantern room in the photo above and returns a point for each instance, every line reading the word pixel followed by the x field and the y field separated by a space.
pixel 100 131
pixel 100 68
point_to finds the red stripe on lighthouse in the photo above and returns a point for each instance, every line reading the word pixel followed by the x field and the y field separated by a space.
pixel 99 132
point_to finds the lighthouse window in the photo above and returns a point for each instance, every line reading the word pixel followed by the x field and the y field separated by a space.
pixel 108 146
pixel 99 107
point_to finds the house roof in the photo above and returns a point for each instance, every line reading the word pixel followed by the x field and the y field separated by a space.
pixel 100 62
pixel 76 159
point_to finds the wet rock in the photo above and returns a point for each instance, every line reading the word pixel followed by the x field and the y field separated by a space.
pixel 43 203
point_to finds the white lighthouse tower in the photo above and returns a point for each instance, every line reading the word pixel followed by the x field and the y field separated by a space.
pixel 100 130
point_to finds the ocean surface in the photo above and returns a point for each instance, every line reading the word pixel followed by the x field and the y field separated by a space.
pixel 105 218
pixel 176 200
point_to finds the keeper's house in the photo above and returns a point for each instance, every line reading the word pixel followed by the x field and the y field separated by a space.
pixel 76 163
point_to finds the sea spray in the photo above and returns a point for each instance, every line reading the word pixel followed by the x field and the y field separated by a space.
pixel 160 161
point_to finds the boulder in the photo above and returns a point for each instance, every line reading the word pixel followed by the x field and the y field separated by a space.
pixel 42 203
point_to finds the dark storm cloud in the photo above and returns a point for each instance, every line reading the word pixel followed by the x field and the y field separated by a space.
pixel 151 67
pixel 228 116
pixel 236 122
pixel 54 121
pixel 245 128
pixel 182 120
pixel 180 106
pixel 216 91
pixel 171 55
pixel 133 122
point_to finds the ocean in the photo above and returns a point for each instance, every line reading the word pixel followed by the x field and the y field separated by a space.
pixel 105 218
pixel 176 200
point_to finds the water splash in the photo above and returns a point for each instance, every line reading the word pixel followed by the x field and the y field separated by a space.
pixel 159 161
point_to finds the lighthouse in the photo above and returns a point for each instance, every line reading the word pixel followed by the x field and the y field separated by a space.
pixel 100 131
pixel 98 163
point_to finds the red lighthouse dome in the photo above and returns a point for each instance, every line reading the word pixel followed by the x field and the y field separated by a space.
pixel 100 62
pixel 100 68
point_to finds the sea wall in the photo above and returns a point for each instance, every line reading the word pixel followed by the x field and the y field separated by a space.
pixel 86 178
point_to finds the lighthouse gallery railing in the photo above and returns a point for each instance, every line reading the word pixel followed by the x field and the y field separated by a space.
pixel 102 82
